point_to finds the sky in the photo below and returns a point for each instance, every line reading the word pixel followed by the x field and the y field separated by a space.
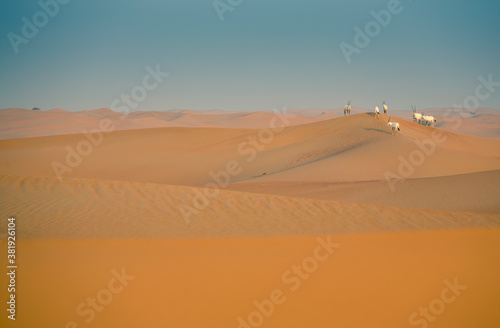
pixel 262 54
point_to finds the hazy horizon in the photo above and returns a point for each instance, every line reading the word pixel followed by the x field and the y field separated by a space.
pixel 282 110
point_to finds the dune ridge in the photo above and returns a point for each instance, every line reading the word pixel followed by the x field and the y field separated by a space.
pixel 347 149
pixel 471 192
pixel 42 204
pixel 23 123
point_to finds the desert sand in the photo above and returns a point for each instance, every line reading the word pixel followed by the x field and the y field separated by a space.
pixel 22 123
pixel 209 216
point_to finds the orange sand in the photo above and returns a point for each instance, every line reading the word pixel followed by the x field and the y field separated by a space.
pixel 200 256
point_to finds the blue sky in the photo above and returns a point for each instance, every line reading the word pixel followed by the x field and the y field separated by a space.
pixel 265 54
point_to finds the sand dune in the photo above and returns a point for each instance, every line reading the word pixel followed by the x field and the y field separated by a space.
pixel 356 148
pixel 472 192
pixel 345 159
pixel 481 122
pixel 116 209
pixel 485 125
pixel 135 200
pixel 22 123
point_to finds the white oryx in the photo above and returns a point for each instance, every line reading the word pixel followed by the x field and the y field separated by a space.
pixel 377 112
pixel 385 108
pixel 428 120
pixel 394 126
pixel 347 109
pixel 416 116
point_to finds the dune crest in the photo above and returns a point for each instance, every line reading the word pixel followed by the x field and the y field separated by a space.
pixel 347 149
pixel 22 123
pixel 156 211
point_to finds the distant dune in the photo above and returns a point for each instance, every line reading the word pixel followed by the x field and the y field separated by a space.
pixel 21 123
pixel 354 148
